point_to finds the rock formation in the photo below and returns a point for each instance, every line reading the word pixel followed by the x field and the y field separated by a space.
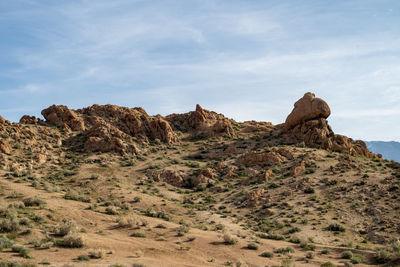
pixel 134 122
pixel 307 108
pixel 26 119
pixel 202 123
pixel 109 127
pixel 63 117
pixel 307 123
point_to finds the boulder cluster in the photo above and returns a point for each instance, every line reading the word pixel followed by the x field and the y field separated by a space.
pixel 202 123
pixel 307 123
pixel 111 128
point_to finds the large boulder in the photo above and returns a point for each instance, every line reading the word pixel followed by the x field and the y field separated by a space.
pixel 307 123
pixel 63 117
pixel 307 108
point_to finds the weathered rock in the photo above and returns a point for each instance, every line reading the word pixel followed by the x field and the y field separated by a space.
pixel 134 122
pixel 261 158
pixel 4 147
pixel 202 123
pixel 170 176
pixel 307 123
pixel 26 119
pixel 254 198
pixel 63 117
pixel 104 137
pixel 307 108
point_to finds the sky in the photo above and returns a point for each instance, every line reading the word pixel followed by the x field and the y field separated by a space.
pixel 250 60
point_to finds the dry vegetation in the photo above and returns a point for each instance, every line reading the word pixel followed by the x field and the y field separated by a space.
pixel 195 202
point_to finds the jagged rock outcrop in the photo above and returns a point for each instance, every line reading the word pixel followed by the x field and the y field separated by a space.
pixel 104 137
pixel 307 108
pixel 26 119
pixel 132 121
pixel 307 123
pixel 110 128
pixel 202 123
pixel 261 158
pixel 63 117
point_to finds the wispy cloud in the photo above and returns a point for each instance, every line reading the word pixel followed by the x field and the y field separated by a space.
pixel 250 60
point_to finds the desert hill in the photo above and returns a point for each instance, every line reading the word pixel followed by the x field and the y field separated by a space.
pixel 108 185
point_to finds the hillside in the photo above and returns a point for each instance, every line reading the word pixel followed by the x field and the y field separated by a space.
pixel 114 186
pixel 389 150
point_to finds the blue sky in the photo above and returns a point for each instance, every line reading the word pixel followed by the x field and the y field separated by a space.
pixel 246 59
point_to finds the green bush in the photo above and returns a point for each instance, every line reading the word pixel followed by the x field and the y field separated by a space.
pixel 267 254
pixel 252 246
pixel 347 255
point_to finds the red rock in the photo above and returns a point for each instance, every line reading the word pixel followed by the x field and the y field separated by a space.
pixel 170 176
pixel 63 117
pixel 307 123
pixel 26 119
pixel 307 108
pixel 202 123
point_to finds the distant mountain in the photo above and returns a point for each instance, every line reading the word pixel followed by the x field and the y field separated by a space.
pixel 389 150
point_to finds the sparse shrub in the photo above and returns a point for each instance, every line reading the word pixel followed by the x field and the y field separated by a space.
pixel 327 264
pixel 22 251
pixel 347 255
pixel 96 254
pixel 357 258
pixel 267 254
pixel 5 243
pixel 307 245
pixel 127 221
pixel 83 257
pixel 111 210
pixel 309 190
pixel 252 246
pixel 9 225
pixel 285 250
pixel 334 227
pixel 72 241
pixel 138 234
pixel 65 228
pixel 33 201
pixel 182 230
pixel 229 239
pixel 287 263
